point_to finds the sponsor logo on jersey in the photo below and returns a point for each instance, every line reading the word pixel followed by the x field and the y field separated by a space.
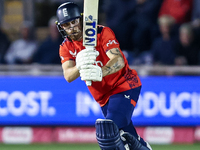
pixel 73 53
pixel 110 42
pixel 61 57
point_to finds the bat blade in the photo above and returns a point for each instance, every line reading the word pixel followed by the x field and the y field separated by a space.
pixel 90 20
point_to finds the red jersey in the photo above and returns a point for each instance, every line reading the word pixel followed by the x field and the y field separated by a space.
pixel 121 81
pixel 179 9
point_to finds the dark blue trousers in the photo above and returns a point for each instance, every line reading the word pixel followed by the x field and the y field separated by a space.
pixel 120 108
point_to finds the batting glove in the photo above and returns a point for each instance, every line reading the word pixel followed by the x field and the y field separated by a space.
pixel 86 57
pixel 91 73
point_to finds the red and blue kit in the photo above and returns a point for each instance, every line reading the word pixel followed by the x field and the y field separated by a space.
pixel 123 80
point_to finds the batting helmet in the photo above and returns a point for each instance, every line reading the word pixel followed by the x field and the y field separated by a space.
pixel 67 12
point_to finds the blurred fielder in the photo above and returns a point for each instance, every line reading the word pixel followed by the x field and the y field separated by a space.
pixel 114 85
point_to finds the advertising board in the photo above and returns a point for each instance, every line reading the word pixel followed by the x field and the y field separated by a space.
pixel 50 100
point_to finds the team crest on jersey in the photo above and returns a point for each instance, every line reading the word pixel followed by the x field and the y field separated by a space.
pixel 110 42
pixel 73 53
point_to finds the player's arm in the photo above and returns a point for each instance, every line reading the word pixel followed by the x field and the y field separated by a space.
pixel 70 71
pixel 115 63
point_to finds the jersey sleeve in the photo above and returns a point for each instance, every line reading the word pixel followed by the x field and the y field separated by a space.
pixel 64 53
pixel 108 39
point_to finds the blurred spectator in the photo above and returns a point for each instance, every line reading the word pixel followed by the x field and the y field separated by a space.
pixel 4 44
pixel 132 21
pixel 47 52
pixel 188 49
pixel 162 50
pixel 21 51
pixel 196 10
pixel 179 9
pixel 144 20
pixel 196 18
pixel 119 18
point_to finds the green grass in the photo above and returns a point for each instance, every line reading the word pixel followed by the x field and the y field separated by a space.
pixel 177 147
pixel 49 147
pixel 88 147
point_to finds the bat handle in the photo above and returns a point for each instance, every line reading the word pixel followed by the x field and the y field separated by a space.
pixel 88 83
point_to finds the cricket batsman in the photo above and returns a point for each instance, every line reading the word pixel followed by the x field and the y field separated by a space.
pixel 115 86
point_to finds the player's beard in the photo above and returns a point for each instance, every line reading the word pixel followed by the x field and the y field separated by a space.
pixel 76 35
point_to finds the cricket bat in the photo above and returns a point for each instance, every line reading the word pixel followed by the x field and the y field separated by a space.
pixel 90 18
